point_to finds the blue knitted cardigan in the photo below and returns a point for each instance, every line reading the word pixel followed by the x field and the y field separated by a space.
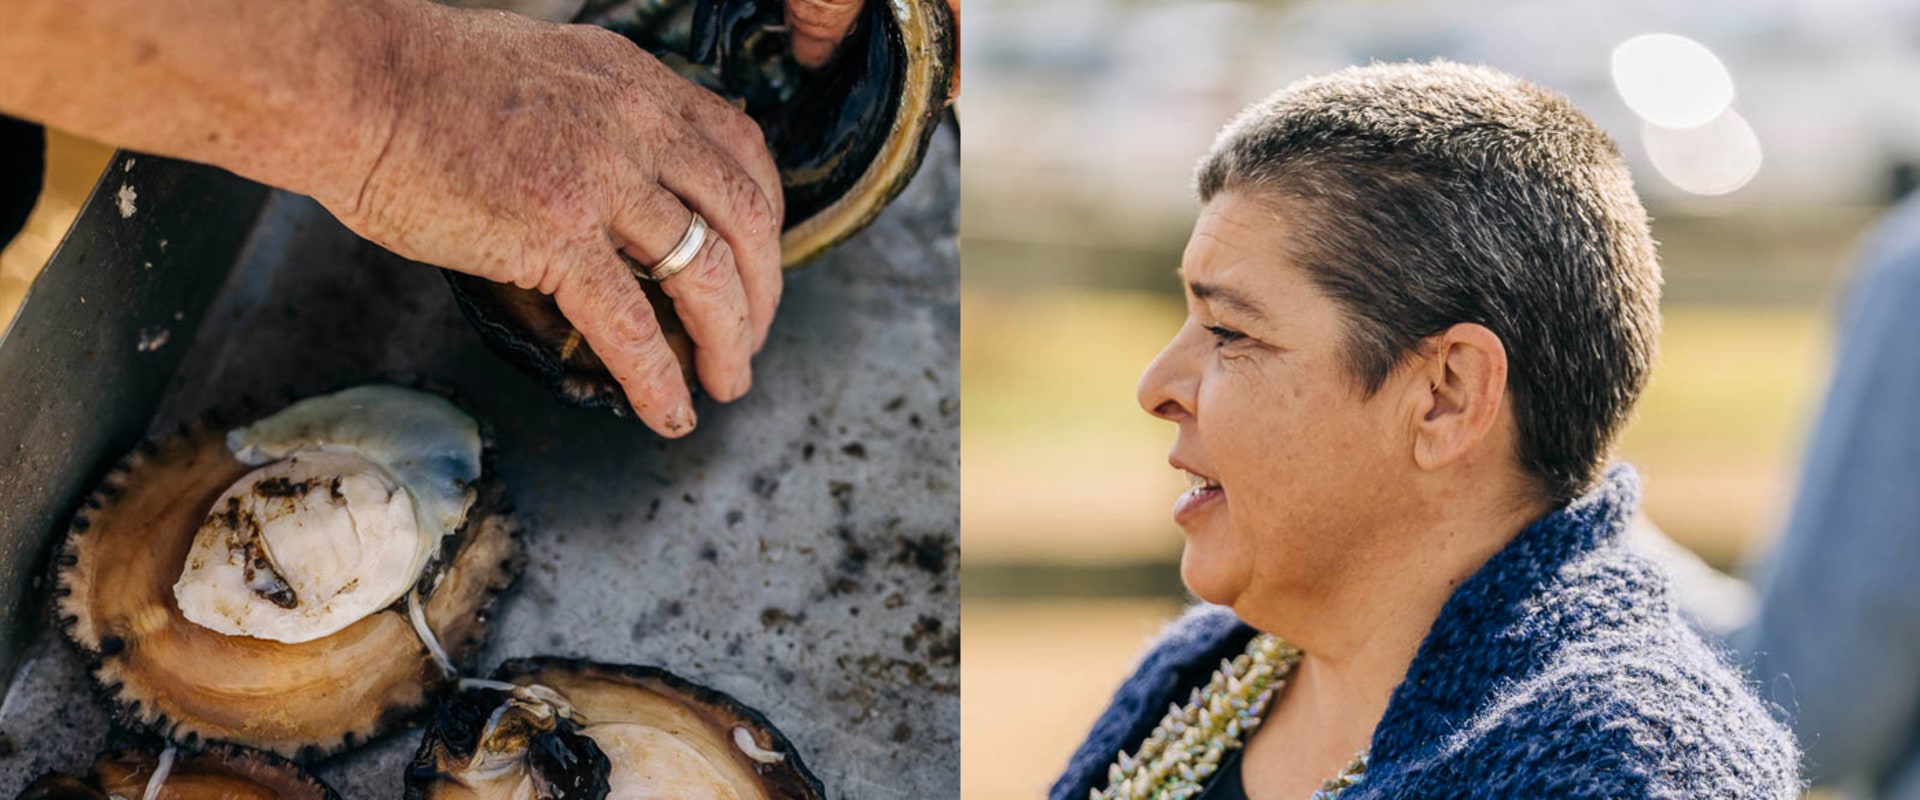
pixel 1559 670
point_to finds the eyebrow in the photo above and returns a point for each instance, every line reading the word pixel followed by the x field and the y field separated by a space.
pixel 1228 297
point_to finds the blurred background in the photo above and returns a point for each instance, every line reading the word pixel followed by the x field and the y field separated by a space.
pixel 1765 137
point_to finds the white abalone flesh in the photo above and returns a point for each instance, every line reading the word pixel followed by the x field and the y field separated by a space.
pixel 345 551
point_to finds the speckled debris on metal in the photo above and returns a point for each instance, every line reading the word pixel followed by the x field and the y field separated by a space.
pixel 798 551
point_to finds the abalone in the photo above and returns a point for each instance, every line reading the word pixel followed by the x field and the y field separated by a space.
pixel 558 728
pixel 847 139
pixel 345 551
pixel 218 772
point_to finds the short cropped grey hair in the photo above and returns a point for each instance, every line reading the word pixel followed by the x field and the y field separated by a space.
pixel 1439 193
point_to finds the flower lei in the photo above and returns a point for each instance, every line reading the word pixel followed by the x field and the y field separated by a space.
pixel 1186 748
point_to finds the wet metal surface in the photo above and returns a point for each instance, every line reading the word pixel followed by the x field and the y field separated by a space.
pixel 85 359
pixel 798 551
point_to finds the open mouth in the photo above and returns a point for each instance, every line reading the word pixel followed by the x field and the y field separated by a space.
pixel 1196 481
pixel 1202 491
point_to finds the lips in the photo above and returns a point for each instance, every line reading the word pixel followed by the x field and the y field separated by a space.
pixel 1202 492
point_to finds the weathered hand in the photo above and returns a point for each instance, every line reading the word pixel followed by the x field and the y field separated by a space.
pixel 533 153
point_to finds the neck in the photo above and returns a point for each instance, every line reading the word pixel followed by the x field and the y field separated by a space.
pixel 1360 629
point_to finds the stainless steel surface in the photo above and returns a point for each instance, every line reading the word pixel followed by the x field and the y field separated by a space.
pixel 797 551
pixel 83 363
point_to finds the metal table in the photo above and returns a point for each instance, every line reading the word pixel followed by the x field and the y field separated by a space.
pixel 798 551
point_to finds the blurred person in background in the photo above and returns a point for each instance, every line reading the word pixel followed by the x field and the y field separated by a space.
pixel 1422 301
pixel 1836 641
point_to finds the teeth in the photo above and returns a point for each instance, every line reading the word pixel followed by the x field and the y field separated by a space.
pixel 1198 481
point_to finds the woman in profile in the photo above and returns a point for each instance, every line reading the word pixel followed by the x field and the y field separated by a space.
pixel 1422 300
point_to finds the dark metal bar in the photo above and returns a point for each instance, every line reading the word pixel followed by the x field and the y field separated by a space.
pixel 84 361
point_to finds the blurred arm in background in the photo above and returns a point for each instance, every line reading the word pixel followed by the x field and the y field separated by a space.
pixel 1836 642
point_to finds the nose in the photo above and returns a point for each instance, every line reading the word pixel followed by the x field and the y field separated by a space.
pixel 1170 385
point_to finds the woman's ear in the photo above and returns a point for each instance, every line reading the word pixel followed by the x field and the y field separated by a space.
pixel 1463 374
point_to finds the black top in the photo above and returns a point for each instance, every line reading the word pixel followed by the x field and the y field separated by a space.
pixel 1226 783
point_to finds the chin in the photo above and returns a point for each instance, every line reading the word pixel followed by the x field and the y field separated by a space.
pixel 1212 575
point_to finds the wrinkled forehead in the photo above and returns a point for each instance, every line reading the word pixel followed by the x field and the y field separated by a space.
pixel 1241 255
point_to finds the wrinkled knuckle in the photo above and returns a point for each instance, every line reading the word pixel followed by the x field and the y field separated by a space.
pixel 644 210
pixel 658 368
pixel 750 206
pixel 712 271
pixel 763 214
pixel 545 276
pixel 741 131
pixel 544 270
pixel 632 327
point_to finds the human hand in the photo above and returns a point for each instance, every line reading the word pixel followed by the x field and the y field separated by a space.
pixel 819 25
pixel 536 154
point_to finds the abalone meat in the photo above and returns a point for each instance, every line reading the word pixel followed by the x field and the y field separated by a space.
pixel 218 772
pixel 846 137
pixel 344 551
pixel 549 728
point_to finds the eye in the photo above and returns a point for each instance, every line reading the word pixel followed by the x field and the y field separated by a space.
pixel 1224 336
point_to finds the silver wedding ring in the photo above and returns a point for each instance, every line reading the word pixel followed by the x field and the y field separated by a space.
pixel 682 253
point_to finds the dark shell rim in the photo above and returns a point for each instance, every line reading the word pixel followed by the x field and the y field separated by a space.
pixel 416 789
pixel 942 46
pixel 939 52
pixel 125 711
pixel 220 750
pixel 512 345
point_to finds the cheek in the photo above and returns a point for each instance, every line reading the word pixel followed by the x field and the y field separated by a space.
pixel 1273 426
pixel 1298 454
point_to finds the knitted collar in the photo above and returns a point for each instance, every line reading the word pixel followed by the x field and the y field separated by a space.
pixel 1499 621
pixel 1504 618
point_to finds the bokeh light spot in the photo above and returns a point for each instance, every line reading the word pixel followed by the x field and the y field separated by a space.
pixel 1671 81
pixel 1712 159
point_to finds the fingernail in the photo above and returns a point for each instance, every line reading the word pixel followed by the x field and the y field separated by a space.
pixel 680 420
pixel 741 383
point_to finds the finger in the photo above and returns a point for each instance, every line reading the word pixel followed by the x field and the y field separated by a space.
pixel 731 201
pixel 764 285
pixel 708 296
pixel 738 136
pixel 605 302
pixel 650 223
pixel 818 26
